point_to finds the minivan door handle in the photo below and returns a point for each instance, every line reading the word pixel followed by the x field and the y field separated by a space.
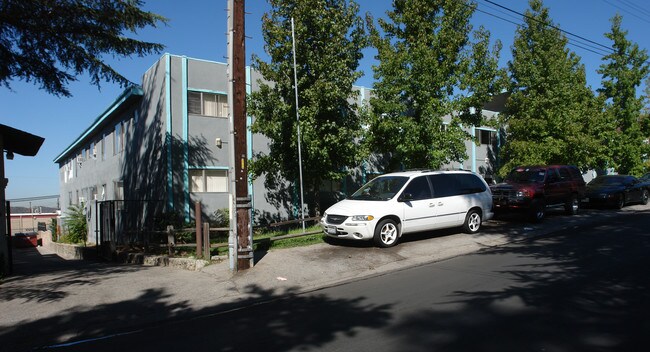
pixel 431 205
pixel 440 204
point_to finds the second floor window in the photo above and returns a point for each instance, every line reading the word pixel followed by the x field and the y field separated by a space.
pixel 207 104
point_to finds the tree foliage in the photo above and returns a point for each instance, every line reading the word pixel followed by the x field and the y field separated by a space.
pixel 429 68
pixel 52 42
pixel 623 72
pixel 329 38
pixel 552 114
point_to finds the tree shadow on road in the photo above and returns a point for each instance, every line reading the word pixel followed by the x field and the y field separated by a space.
pixel 277 320
pixel 49 278
pixel 570 295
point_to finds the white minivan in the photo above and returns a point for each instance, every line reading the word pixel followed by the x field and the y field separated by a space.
pixel 403 202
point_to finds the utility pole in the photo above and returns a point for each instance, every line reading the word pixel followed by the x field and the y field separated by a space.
pixel 243 246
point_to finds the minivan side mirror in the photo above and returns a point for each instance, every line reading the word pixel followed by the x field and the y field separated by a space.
pixel 405 197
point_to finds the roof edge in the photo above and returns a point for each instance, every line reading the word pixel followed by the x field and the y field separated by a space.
pixel 134 90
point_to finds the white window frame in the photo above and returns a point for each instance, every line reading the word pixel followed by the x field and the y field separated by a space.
pixel 200 181
pixel 205 99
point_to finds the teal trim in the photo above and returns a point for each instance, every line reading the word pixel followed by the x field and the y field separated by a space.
pixel 127 96
pixel 190 89
pixel 168 133
pixel 186 148
pixel 473 150
pixel 195 59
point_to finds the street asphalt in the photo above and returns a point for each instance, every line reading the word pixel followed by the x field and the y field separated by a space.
pixel 50 301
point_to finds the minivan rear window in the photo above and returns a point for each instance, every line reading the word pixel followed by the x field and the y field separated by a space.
pixel 447 185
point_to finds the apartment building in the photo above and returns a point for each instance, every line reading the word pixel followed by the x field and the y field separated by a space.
pixel 162 146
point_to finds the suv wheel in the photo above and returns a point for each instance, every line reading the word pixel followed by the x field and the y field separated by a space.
pixel 386 233
pixel 538 210
pixel 644 197
pixel 620 201
pixel 572 205
pixel 472 221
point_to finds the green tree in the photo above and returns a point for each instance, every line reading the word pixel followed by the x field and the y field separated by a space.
pixel 623 72
pixel 551 115
pixel 329 38
pixel 429 68
pixel 52 42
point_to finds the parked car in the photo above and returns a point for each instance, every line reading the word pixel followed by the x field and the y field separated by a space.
pixel 531 189
pixel 395 204
pixel 616 191
pixel 645 178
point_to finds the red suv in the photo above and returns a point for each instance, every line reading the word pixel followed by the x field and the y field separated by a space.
pixel 532 189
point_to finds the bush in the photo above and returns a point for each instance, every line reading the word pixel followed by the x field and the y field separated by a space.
pixel 220 218
pixel 77 227
pixel 54 229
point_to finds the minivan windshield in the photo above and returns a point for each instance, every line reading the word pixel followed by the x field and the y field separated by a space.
pixel 381 188
pixel 526 175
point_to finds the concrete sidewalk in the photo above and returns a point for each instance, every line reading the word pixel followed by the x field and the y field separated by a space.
pixel 58 300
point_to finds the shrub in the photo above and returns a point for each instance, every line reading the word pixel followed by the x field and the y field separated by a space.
pixel 75 222
pixel 220 218
pixel 54 229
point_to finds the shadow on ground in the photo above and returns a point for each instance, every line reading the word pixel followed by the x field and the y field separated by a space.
pixel 580 295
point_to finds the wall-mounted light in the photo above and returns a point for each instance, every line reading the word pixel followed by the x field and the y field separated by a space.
pixel 218 142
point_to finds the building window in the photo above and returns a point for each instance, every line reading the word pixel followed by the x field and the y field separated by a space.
pixel 485 136
pixel 119 190
pixel 207 104
pixel 214 181
pixel 93 150
pixel 93 193
pixel 118 138
pixel 103 147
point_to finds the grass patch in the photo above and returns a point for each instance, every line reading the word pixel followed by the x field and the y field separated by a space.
pixel 263 240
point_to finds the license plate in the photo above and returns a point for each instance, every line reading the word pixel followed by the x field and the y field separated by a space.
pixel 331 230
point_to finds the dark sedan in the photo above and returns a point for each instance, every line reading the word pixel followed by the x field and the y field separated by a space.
pixel 616 191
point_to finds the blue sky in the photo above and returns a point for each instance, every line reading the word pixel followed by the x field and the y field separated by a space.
pixel 197 28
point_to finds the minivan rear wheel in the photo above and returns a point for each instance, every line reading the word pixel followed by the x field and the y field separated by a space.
pixel 386 233
pixel 472 221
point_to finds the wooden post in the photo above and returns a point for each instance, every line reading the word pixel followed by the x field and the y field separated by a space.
pixel 243 200
pixel 206 241
pixel 171 242
pixel 199 236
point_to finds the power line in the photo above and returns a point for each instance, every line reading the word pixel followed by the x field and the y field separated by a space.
pixel 598 50
pixel 636 7
pixel 550 25
pixel 586 44
pixel 626 11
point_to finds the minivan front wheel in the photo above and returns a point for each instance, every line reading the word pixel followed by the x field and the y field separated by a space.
pixel 472 222
pixel 386 233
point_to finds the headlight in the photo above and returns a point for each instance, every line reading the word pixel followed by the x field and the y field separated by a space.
pixel 523 194
pixel 362 218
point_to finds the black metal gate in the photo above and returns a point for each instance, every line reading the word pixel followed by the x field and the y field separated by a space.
pixel 124 223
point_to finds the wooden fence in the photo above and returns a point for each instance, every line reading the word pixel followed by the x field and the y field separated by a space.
pixel 203 243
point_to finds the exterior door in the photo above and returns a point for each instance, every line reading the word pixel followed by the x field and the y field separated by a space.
pixel 418 205
pixel 450 205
